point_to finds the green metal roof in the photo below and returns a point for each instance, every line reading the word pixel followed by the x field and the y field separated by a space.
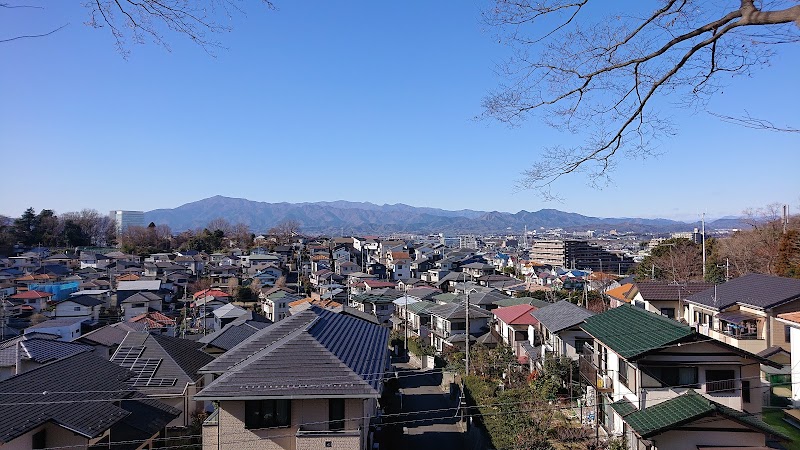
pixel 685 408
pixel 631 331
pixel 447 297
pixel 420 307
pixel 623 407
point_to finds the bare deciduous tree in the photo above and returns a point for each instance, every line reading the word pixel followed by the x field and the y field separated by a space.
pixel 139 21
pixel 603 76
pixel 285 231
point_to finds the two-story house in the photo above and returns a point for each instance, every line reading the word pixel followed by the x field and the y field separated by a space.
pixel 165 368
pixel 449 324
pixel 85 306
pixel 140 303
pixel 276 304
pixel 83 401
pixel 743 311
pixel 35 300
pixel 512 324
pixel 666 298
pixel 312 380
pixel 656 381
pixel 559 331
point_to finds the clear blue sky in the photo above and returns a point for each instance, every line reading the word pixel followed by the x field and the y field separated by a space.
pixel 361 101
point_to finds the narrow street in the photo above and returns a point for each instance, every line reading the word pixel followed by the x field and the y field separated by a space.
pixel 431 420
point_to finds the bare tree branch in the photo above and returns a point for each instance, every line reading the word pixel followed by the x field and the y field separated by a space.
pixel 137 21
pixel 601 77
pixel 749 121
pixel 29 36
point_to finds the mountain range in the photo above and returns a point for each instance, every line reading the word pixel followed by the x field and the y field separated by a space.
pixel 368 218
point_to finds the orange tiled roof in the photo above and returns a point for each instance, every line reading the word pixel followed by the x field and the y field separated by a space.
pixel 400 255
pixel 128 277
pixel 32 294
pixel 300 302
pixel 620 292
pixel 210 292
pixel 154 319
pixel 791 316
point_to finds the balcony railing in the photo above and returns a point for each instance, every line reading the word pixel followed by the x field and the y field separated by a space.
pixel 720 386
pixel 344 439
pixel 592 374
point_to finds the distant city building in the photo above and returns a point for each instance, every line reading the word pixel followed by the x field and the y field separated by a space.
pixel 125 219
pixel 468 242
pixel 695 236
pixel 574 254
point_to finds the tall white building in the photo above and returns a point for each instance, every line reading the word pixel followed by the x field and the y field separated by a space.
pixel 125 219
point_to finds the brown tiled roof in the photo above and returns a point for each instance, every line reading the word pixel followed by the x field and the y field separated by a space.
pixel 663 290
pixel 758 290
pixel 154 319
pixel 32 294
pixel 791 316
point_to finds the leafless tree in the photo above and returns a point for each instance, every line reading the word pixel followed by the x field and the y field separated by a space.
pixel 99 227
pixel 139 21
pixel 241 235
pixel 604 76
pixel 285 231
pixel 757 250
pixel 136 22
pixel 220 224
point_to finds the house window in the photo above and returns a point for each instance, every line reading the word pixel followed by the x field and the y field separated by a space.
pixel 674 376
pixel 137 305
pixel 787 333
pixel 720 380
pixel 267 413
pixel 77 308
pixel 336 414
pixel 581 343
pixel 669 312
pixel 623 372
pixel 745 391
pixel 603 359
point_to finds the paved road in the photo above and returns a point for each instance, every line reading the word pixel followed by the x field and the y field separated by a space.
pixel 425 426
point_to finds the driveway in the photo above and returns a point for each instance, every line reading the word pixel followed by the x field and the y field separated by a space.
pixel 429 418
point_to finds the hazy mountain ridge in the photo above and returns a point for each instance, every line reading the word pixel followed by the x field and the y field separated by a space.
pixel 368 218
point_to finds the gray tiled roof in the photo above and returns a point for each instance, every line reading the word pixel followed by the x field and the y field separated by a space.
pixel 758 290
pixel 663 290
pixel 561 315
pixel 456 310
pixel 177 359
pixel 84 300
pixel 233 334
pixel 39 347
pixel 315 352
pixel 111 335
pixel 80 393
pixel 46 350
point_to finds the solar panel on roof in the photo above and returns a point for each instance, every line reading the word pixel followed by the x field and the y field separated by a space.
pixel 127 356
pixel 161 382
pixel 146 368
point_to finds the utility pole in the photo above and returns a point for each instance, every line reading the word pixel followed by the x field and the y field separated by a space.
pixel 466 324
pixel 704 244
pixel 405 313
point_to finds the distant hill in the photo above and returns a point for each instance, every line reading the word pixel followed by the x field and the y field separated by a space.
pixel 369 218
